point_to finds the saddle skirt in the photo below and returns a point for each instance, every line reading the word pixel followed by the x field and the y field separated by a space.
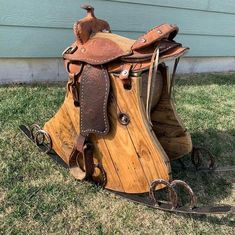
pixel 118 124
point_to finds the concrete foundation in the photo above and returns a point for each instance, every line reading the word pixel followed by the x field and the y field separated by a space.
pixel 27 70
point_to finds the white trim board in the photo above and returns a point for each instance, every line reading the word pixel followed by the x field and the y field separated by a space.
pixel 28 70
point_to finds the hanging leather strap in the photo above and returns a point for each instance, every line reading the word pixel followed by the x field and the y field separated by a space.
pixel 172 85
pixel 74 88
pixel 152 75
pixel 81 159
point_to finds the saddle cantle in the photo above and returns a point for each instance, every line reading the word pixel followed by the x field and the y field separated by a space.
pixel 118 119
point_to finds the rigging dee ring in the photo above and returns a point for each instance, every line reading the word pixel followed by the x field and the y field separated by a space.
pixel 45 137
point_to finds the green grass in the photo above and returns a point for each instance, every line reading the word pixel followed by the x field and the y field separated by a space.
pixel 37 196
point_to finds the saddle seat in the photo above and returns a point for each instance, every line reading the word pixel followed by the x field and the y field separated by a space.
pixel 115 50
pixel 105 47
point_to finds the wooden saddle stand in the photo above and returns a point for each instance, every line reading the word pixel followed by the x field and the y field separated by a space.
pixel 118 125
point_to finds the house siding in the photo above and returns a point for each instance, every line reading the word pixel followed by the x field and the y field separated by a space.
pixel 30 28
pixel 42 29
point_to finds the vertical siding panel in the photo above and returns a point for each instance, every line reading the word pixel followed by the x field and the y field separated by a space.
pixel 43 28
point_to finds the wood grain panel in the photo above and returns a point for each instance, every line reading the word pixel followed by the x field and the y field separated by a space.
pixel 102 154
pixel 124 155
pixel 131 156
pixel 63 129
pixel 167 124
pixel 151 155
pixel 62 132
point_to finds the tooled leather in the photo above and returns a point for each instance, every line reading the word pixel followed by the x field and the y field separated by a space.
pixel 166 45
pixel 145 54
pixel 97 51
pixel 157 33
pixel 139 62
pixel 94 92
pixel 173 53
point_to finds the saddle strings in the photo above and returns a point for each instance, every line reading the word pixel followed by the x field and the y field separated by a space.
pixel 152 75
pixel 172 85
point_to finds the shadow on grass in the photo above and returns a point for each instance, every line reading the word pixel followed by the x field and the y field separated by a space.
pixel 211 187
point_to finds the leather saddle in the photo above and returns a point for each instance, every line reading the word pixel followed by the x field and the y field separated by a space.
pixel 118 123
pixel 101 52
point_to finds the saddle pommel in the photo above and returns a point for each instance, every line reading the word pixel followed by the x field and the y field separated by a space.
pixel 89 25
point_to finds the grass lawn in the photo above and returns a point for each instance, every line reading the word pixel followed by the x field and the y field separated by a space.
pixel 37 196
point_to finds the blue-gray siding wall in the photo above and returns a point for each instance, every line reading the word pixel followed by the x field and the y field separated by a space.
pixel 43 28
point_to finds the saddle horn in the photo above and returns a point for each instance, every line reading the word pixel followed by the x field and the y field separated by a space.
pixel 84 28
pixel 89 9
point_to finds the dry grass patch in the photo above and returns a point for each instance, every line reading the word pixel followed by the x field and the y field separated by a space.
pixel 39 197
